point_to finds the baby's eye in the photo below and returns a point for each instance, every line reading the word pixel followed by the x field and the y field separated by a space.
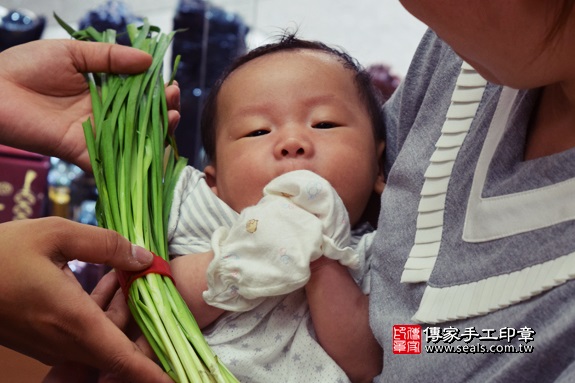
pixel 257 133
pixel 325 125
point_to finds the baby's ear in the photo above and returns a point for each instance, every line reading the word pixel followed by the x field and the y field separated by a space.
pixel 210 172
pixel 379 185
pixel 380 181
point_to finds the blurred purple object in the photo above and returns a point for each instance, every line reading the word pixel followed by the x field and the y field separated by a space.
pixel 209 40
pixel 88 274
pixel 19 26
pixel 113 14
pixel 383 79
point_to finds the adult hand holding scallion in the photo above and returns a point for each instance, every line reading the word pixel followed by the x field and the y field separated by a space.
pixel 135 175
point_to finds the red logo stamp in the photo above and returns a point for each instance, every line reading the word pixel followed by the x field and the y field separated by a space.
pixel 406 339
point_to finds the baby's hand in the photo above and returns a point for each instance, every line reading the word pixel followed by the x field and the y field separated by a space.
pixel 268 250
pixel 265 253
pixel 315 195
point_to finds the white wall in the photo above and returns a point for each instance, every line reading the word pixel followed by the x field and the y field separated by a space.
pixel 373 31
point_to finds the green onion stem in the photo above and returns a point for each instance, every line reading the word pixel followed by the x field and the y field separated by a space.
pixel 136 175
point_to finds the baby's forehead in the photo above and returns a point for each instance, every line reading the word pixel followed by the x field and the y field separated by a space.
pixel 279 71
pixel 295 72
pixel 309 56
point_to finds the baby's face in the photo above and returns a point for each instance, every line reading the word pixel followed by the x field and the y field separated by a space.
pixel 293 110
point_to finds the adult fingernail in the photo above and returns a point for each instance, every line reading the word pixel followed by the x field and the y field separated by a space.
pixel 142 255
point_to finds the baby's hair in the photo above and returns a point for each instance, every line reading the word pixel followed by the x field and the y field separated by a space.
pixel 366 89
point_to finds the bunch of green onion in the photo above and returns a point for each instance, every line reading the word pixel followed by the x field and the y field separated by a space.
pixel 135 174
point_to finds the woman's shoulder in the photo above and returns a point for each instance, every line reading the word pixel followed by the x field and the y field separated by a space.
pixel 434 62
pixel 428 85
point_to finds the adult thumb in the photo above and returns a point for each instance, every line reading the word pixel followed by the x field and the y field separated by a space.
pixel 93 244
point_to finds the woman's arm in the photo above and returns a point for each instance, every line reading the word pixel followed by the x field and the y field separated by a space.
pixel 339 311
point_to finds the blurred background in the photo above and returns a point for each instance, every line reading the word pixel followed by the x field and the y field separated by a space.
pixel 371 30
pixel 379 33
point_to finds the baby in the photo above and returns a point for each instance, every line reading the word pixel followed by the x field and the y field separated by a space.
pixel 277 279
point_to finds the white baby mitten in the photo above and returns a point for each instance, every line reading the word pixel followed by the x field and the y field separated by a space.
pixel 314 194
pixel 267 251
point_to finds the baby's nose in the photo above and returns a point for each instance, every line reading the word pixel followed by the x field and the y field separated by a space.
pixel 294 147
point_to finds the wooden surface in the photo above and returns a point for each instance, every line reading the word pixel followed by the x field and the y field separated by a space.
pixel 18 368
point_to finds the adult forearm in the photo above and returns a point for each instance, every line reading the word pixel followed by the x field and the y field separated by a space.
pixel 339 312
